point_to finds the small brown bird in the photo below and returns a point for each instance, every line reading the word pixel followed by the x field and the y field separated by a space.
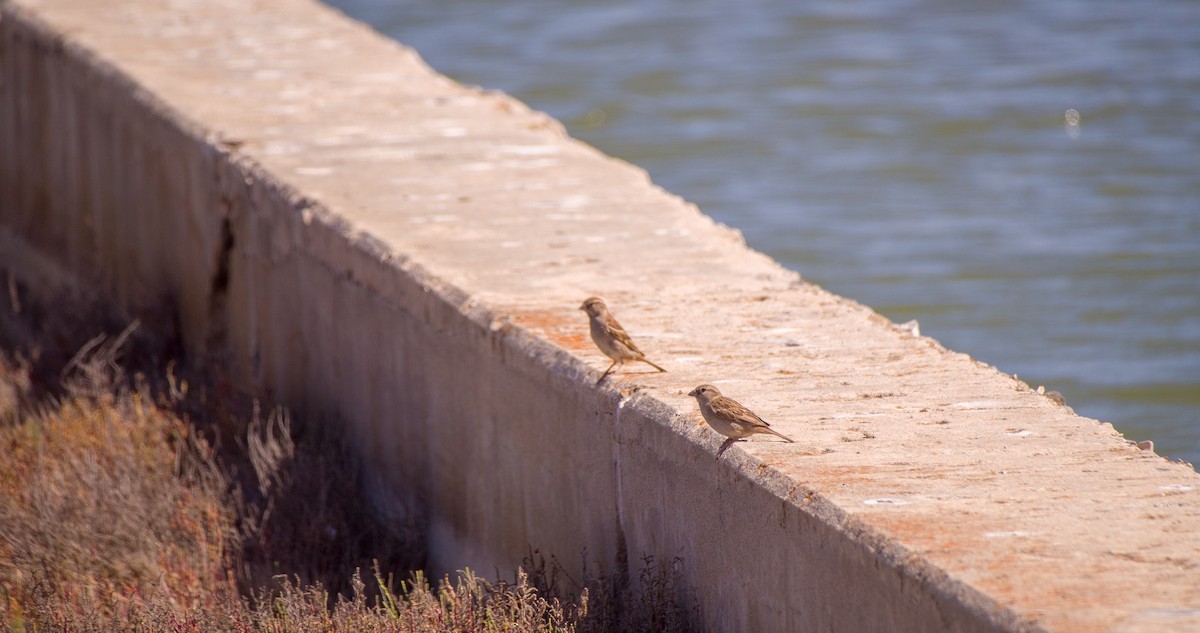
pixel 729 418
pixel 610 337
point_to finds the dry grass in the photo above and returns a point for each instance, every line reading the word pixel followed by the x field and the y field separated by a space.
pixel 114 515
pixel 134 500
pixel 107 501
pixel 657 604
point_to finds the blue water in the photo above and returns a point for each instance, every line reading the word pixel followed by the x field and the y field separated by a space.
pixel 913 155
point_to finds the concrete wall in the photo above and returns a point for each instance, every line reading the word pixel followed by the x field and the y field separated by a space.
pixel 370 242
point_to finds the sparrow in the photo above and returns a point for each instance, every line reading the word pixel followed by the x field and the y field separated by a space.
pixel 610 337
pixel 729 418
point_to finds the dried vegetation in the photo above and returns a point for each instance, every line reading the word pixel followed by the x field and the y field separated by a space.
pixel 132 499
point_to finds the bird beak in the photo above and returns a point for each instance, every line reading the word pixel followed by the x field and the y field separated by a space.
pixel 693 393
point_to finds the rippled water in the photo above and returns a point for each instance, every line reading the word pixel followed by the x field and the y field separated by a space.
pixel 914 155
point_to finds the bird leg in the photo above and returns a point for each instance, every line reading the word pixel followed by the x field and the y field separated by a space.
pixel 607 371
pixel 726 444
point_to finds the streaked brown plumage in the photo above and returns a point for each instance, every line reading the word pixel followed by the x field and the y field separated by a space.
pixel 729 418
pixel 611 338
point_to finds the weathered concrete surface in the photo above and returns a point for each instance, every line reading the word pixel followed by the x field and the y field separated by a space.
pixel 370 241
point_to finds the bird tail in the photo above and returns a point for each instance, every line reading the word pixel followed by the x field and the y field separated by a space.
pixel 774 432
pixel 651 363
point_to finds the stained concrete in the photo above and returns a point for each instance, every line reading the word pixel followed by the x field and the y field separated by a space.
pixel 366 240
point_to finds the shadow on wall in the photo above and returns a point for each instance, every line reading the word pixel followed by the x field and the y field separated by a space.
pixel 195 500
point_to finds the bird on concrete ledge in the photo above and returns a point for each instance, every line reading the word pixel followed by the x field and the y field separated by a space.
pixel 729 418
pixel 610 337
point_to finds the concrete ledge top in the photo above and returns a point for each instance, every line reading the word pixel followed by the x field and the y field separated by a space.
pixel 961 468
